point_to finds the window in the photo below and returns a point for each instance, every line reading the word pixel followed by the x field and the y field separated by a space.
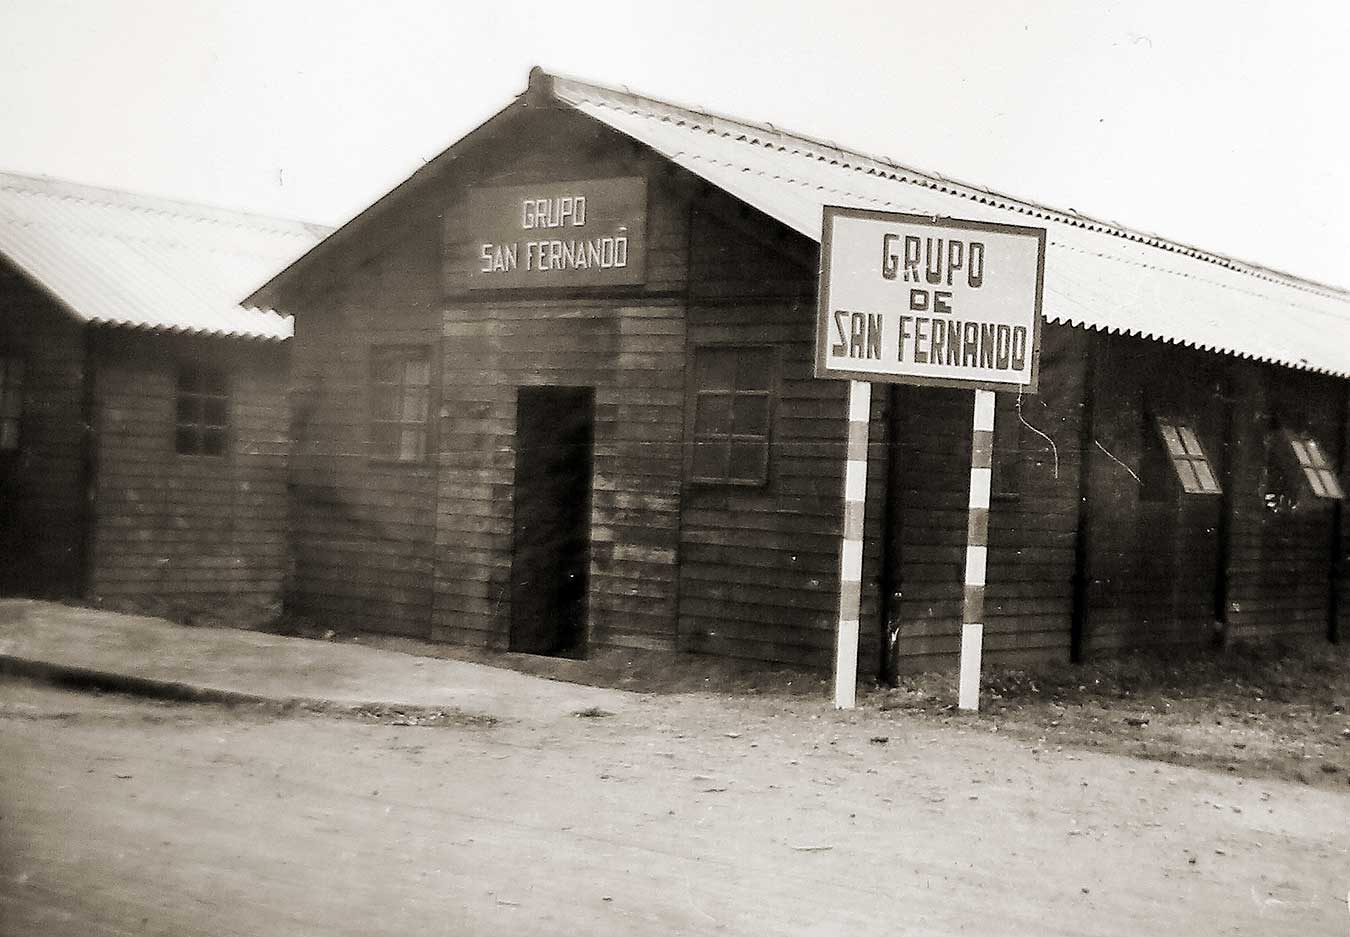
pixel 203 410
pixel 400 387
pixel 1189 462
pixel 1314 467
pixel 732 397
pixel 11 402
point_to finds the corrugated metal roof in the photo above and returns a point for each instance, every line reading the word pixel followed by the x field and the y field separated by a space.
pixel 122 259
pixel 1097 274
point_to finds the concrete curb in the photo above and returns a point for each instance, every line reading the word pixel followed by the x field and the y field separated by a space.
pixel 83 678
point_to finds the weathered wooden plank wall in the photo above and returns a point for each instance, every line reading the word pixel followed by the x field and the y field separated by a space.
pixel 41 518
pixel 759 565
pixel 631 355
pixel 1154 558
pixel 1157 557
pixel 362 528
pixel 190 531
pixel 1339 627
pixel 1032 521
pixel 1280 574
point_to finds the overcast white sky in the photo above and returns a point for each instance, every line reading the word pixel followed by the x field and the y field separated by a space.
pixel 1223 124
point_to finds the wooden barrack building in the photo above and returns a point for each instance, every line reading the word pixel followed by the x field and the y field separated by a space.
pixel 143 414
pixel 554 392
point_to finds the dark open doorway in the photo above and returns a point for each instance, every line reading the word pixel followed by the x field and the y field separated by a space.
pixel 555 429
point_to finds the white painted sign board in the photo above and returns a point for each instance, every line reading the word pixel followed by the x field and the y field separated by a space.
pixel 920 300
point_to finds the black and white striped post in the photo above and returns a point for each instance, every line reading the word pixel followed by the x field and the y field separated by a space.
pixel 977 550
pixel 851 547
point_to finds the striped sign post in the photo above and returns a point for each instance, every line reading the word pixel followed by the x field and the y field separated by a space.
pixel 936 302
pixel 977 551
pixel 851 547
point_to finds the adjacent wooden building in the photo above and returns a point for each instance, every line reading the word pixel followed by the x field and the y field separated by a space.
pixel 555 392
pixel 143 414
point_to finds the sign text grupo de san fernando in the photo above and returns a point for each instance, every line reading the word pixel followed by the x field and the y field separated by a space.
pixel 921 300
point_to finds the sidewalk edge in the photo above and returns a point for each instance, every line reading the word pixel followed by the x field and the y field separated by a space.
pixel 83 678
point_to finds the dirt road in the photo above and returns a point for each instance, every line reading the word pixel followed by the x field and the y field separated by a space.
pixel 689 815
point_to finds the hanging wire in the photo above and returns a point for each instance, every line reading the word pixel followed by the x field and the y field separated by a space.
pixel 1098 444
pixel 1054 450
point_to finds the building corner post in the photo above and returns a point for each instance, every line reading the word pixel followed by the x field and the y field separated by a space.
pixel 88 536
pixel 1339 583
pixel 1082 547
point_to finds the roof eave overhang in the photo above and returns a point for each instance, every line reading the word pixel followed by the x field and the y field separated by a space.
pixel 62 304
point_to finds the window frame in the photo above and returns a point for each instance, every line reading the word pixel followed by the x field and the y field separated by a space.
pixel 695 393
pixel 1204 479
pixel 1310 464
pixel 404 353
pixel 11 390
pixel 203 392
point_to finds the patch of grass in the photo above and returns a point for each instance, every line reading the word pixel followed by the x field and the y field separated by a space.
pixel 592 712
pixel 1278 672
pixel 1274 709
pixel 425 716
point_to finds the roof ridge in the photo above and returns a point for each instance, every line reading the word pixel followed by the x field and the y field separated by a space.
pixel 197 211
pixel 559 84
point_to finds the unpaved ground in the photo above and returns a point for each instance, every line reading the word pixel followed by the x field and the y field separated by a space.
pixel 684 814
pixel 1257 711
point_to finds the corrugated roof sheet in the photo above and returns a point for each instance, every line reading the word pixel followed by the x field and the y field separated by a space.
pixel 122 259
pixel 1097 274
